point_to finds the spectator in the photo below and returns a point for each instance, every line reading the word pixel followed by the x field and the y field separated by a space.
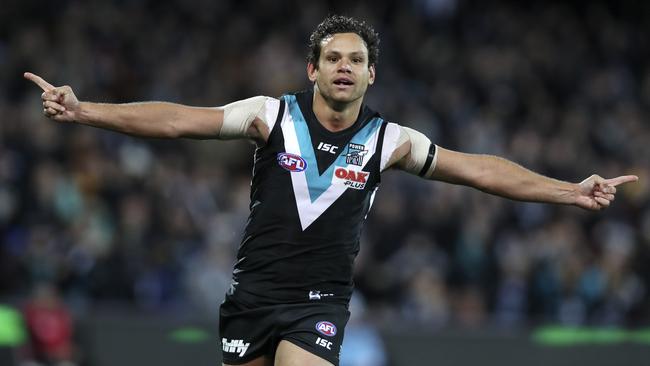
pixel 50 327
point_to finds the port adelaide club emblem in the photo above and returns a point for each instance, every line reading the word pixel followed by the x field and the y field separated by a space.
pixel 355 154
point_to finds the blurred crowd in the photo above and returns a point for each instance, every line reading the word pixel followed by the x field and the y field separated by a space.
pixel 116 221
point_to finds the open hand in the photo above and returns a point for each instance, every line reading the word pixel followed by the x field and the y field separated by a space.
pixel 596 193
pixel 59 103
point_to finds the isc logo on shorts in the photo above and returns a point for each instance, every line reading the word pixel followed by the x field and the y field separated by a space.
pixel 326 328
pixel 324 343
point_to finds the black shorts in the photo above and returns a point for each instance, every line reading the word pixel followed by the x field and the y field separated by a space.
pixel 247 334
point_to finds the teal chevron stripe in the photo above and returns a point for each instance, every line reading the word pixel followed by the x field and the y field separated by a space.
pixel 319 183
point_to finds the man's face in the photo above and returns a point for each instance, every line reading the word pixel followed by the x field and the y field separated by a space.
pixel 343 73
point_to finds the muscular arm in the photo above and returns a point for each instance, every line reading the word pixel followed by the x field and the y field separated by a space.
pixel 243 119
pixel 152 119
pixel 497 175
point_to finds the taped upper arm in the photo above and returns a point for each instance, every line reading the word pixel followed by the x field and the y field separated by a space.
pixel 408 150
pixel 239 118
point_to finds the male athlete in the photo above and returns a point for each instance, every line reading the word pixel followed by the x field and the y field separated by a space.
pixel 319 157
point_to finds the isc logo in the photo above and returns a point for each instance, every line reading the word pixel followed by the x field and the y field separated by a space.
pixel 326 328
pixel 292 162
pixel 324 343
pixel 327 147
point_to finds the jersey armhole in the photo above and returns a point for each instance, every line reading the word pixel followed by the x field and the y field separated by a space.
pixel 273 111
pixel 274 114
pixel 391 137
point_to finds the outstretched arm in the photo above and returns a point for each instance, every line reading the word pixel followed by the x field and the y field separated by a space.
pixel 502 177
pixel 148 119
pixel 414 153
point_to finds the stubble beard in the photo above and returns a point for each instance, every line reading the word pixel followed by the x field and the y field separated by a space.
pixel 339 104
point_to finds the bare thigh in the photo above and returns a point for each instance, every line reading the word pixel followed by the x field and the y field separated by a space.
pixel 260 361
pixel 288 354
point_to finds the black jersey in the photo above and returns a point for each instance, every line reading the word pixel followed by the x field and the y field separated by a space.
pixel 310 193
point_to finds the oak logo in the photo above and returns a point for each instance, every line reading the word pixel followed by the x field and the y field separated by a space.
pixel 354 179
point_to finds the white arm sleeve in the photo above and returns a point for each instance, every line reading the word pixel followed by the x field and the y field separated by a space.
pixel 238 116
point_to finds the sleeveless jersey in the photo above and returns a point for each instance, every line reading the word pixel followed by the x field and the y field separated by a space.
pixel 310 193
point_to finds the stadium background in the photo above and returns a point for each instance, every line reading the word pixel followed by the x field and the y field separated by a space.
pixel 140 234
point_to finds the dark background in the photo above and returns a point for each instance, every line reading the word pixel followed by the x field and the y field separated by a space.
pixel 124 225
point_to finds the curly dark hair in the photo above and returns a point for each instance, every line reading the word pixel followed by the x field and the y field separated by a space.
pixel 341 24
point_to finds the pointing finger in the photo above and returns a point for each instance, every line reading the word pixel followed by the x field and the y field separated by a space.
pixel 620 180
pixel 38 81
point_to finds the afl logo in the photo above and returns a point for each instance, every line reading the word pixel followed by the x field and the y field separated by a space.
pixel 326 328
pixel 292 162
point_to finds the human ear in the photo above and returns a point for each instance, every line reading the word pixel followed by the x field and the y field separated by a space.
pixel 371 78
pixel 312 72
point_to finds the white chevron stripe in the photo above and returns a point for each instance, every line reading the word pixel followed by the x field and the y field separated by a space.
pixel 309 211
